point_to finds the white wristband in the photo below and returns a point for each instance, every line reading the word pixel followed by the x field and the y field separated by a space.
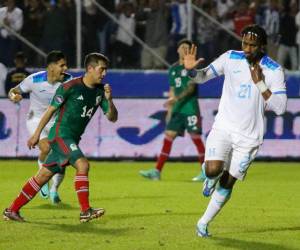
pixel 262 87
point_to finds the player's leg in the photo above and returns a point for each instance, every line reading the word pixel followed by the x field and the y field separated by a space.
pixel 154 173
pixel 193 126
pixel 218 199
pixel 82 189
pixel 29 190
pixel 44 150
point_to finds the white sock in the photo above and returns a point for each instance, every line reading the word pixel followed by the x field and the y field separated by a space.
pixel 218 199
pixel 57 180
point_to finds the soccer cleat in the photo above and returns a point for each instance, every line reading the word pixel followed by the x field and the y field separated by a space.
pixel 209 186
pixel 202 230
pixel 44 192
pixel 55 197
pixel 11 215
pixel 152 174
pixel 91 213
pixel 201 177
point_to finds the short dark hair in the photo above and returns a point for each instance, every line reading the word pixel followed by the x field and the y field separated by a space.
pixel 20 56
pixel 258 31
pixel 94 58
pixel 185 41
pixel 54 56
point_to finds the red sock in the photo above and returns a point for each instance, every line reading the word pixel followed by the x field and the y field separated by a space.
pixel 82 190
pixel 164 154
pixel 200 147
pixel 29 190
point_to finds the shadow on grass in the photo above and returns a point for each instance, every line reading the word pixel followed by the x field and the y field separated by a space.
pixel 243 244
pixel 279 229
pixel 131 197
pixel 83 228
pixel 54 206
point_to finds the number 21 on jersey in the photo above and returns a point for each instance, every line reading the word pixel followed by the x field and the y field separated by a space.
pixel 244 91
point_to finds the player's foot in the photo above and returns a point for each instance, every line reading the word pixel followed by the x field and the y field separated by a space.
pixel 202 230
pixel 209 186
pixel 152 174
pixel 55 198
pixel 44 192
pixel 11 215
pixel 91 213
pixel 201 177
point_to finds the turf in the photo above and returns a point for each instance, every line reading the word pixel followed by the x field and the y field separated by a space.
pixel 141 214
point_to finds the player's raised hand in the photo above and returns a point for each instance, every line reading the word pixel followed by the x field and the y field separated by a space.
pixel 14 97
pixel 189 58
pixel 256 73
pixel 107 92
pixel 33 140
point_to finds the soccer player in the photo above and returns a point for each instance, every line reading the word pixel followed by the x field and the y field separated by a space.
pixel 41 86
pixel 75 102
pixel 183 111
pixel 253 81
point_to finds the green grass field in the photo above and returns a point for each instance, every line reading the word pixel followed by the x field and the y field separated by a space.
pixel 264 212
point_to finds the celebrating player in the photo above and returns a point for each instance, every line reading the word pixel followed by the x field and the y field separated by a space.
pixel 42 86
pixel 184 114
pixel 75 102
pixel 253 81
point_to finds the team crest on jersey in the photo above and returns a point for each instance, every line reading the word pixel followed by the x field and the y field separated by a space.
pixel 80 98
pixel 73 147
pixel 184 72
pixel 59 99
pixel 173 73
pixel 98 100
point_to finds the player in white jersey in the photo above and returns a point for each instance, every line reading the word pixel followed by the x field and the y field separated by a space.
pixel 252 82
pixel 42 86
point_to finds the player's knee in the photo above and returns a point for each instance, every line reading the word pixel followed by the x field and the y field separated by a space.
pixel 213 169
pixel 227 181
pixel 82 166
pixel 45 149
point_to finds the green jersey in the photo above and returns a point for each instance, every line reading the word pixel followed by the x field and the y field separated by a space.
pixel 77 104
pixel 179 80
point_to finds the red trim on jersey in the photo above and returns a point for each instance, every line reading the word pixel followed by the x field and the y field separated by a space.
pixel 50 164
pixel 62 145
pixel 72 82
pixel 65 163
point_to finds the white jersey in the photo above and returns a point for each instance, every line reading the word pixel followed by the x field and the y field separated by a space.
pixel 241 108
pixel 41 92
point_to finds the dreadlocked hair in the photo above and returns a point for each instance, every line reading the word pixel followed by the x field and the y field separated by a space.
pixel 256 31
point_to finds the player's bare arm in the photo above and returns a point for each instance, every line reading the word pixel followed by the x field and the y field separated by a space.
pixel 187 92
pixel 15 94
pixel 34 139
pixel 258 79
pixel 112 114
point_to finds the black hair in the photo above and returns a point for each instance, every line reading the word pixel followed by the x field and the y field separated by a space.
pixel 185 41
pixel 256 31
pixel 54 56
pixel 20 56
pixel 94 58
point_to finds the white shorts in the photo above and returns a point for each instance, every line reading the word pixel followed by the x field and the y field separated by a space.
pixel 32 124
pixel 224 146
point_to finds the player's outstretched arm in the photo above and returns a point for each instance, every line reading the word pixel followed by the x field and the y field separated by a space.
pixel 15 94
pixel 34 139
pixel 189 59
pixel 112 114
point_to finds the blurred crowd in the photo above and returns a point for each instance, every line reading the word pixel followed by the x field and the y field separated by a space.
pixel 51 24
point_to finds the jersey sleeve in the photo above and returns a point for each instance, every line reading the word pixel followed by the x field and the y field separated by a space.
pixel 60 96
pixel 276 81
pixel 171 77
pixel 217 66
pixel 26 85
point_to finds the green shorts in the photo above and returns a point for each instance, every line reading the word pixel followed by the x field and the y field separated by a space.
pixel 63 153
pixel 181 122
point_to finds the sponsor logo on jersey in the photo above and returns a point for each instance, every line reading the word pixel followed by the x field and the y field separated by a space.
pixel 80 97
pixel 98 99
pixel 73 147
pixel 59 99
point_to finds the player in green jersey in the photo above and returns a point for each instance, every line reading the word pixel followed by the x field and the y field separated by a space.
pixel 183 114
pixel 75 102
